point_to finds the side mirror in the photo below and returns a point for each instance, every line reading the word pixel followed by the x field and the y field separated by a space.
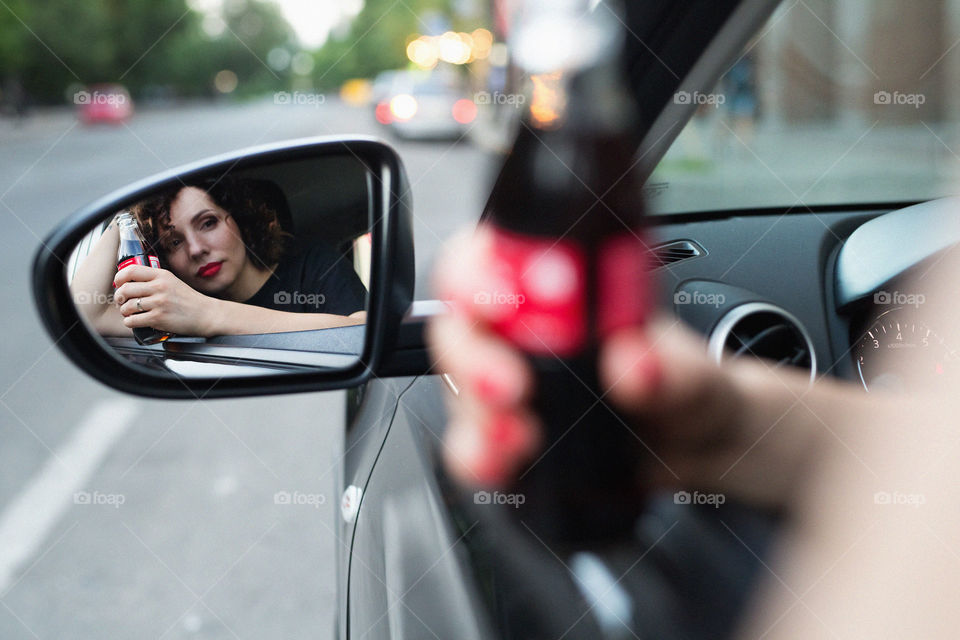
pixel 284 268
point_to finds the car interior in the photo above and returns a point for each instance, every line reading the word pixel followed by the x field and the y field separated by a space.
pixel 806 289
pixel 801 209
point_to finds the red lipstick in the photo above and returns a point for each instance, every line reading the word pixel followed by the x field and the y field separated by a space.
pixel 209 270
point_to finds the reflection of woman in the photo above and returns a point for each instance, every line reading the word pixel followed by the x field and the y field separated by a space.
pixel 229 270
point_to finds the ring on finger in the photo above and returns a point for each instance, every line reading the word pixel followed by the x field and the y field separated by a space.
pixel 140 306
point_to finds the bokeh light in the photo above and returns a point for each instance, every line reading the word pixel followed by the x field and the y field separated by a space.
pixel 482 43
pixel 302 63
pixel 423 52
pixel 279 59
pixel 549 100
pixel 452 47
pixel 356 91
pixel 464 111
pixel 403 106
pixel 225 81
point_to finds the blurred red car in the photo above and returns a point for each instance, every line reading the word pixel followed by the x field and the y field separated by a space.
pixel 103 103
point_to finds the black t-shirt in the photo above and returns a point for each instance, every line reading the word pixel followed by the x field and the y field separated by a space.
pixel 312 279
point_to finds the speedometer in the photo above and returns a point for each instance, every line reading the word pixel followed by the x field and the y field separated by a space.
pixel 899 351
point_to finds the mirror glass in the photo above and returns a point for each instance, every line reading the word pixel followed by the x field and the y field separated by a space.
pixel 234 273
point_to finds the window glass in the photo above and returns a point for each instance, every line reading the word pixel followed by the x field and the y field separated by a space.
pixel 832 102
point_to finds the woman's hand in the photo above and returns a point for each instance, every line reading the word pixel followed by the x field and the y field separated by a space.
pixel 149 297
pixel 706 425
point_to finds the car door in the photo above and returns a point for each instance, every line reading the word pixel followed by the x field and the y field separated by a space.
pixel 410 575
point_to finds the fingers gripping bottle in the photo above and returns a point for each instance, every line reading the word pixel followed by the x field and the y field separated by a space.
pixel 133 250
pixel 566 211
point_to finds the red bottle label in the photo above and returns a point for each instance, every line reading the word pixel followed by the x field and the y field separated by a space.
pixel 147 261
pixel 539 291
pixel 623 284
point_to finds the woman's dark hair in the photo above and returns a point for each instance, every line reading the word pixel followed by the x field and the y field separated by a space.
pixel 255 213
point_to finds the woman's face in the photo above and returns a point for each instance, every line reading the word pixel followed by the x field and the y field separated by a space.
pixel 203 244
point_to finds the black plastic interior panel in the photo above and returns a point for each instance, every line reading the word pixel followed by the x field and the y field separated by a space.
pixel 784 259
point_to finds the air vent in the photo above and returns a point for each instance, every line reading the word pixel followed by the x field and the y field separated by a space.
pixel 671 252
pixel 764 331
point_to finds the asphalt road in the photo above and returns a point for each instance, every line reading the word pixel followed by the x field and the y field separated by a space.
pixel 127 518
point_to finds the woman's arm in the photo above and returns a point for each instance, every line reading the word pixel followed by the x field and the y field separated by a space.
pixel 232 318
pixel 169 304
pixel 873 551
pixel 92 286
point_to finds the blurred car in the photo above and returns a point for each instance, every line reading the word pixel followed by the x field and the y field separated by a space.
pixel 109 103
pixel 425 105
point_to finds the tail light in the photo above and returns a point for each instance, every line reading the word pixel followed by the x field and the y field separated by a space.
pixel 403 106
pixel 464 111
pixel 383 113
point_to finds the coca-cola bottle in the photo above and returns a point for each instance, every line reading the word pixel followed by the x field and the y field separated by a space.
pixel 570 261
pixel 133 250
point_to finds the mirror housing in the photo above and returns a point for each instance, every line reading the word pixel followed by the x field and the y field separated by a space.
pixel 390 292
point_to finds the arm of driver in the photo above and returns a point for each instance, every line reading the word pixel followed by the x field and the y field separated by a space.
pixel 874 551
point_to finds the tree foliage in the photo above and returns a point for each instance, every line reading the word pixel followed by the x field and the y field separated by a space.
pixel 376 40
pixel 148 45
pixel 162 48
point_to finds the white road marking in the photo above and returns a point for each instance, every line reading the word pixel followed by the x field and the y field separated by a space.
pixel 27 520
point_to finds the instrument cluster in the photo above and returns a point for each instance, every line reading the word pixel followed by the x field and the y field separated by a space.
pixel 899 348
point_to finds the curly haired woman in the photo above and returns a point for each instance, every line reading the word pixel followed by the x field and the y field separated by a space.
pixel 230 269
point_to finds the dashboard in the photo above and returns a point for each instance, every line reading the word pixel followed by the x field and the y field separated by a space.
pixel 843 291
